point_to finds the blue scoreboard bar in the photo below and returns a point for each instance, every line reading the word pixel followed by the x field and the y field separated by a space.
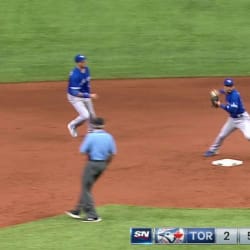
pixel 201 236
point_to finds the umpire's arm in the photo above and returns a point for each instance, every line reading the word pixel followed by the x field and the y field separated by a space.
pixel 112 150
pixel 85 146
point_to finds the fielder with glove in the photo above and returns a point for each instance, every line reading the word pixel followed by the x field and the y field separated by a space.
pixel 239 118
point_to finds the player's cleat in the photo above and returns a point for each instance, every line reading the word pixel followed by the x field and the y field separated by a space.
pixel 210 153
pixel 73 214
pixel 98 219
pixel 72 130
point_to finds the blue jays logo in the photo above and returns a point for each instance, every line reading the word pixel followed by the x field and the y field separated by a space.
pixel 169 235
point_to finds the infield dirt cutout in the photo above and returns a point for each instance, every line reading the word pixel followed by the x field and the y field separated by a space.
pixel 162 127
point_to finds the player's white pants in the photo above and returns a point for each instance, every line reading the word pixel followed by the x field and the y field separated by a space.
pixel 84 107
pixel 242 123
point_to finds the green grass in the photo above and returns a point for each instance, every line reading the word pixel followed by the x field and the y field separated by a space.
pixel 132 38
pixel 113 232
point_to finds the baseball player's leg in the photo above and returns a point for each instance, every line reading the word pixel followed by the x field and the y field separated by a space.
pixel 91 173
pixel 90 107
pixel 225 131
pixel 244 125
pixel 84 115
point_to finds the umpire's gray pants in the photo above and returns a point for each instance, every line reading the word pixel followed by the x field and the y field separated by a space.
pixel 91 173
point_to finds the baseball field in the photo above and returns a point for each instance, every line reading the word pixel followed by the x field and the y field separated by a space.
pixel 153 64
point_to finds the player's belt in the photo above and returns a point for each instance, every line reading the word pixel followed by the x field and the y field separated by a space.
pixel 240 115
pixel 97 160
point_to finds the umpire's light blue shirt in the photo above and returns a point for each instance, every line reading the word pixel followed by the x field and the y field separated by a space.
pixel 99 145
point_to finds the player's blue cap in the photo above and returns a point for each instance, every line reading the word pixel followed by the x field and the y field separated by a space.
pixel 80 58
pixel 228 82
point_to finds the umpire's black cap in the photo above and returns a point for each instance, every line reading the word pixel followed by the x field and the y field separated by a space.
pixel 98 122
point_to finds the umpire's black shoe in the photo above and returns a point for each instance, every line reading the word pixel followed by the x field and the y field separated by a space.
pixel 73 214
pixel 98 219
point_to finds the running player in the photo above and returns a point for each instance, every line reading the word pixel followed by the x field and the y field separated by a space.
pixel 79 95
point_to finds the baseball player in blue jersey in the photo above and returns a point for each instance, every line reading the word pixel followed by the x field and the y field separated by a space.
pixel 239 118
pixel 79 94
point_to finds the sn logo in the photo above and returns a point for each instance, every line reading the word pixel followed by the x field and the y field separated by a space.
pixel 142 234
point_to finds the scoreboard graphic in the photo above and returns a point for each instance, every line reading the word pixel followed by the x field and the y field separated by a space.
pixel 178 235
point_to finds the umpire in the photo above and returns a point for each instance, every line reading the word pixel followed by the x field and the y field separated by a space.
pixel 100 148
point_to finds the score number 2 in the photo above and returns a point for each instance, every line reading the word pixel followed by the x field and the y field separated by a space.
pixel 227 234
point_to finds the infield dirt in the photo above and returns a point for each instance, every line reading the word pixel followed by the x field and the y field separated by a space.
pixel 162 127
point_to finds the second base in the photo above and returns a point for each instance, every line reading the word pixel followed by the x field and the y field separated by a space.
pixel 227 163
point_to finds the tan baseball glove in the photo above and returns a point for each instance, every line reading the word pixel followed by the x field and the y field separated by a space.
pixel 214 98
